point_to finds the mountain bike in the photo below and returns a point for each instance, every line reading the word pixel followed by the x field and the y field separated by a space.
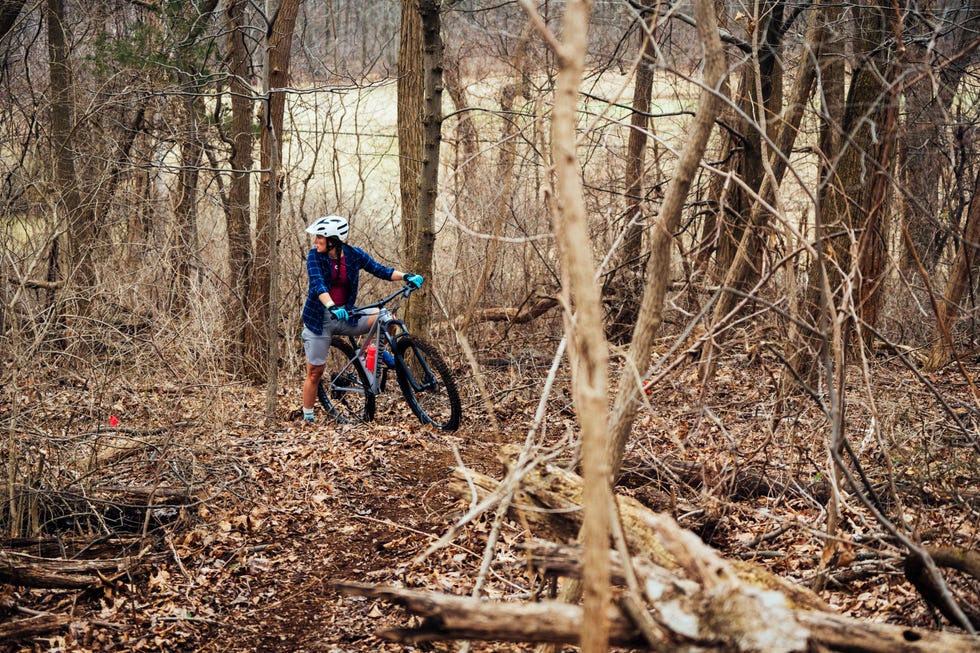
pixel 356 373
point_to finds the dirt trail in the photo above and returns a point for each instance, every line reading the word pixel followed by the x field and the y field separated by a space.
pixel 339 505
pixel 292 509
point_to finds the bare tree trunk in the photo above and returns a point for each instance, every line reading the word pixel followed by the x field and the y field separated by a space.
pixel 76 216
pixel 262 304
pixel 238 217
pixel 959 280
pixel 744 264
pixel 637 145
pixel 803 358
pixel 588 352
pixel 658 268
pixel 9 10
pixel 710 230
pixel 873 242
pixel 418 312
pixel 411 105
pixel 760 98
pixel 184 249
pixel 860 211
pixel 924 151
pixel 467 134
pixel 624 287
pixel 505 175
pixel 923 163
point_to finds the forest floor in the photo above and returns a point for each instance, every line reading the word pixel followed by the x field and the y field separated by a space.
pixel 284 511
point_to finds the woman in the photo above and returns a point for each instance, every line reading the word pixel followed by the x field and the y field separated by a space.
pixel 333 267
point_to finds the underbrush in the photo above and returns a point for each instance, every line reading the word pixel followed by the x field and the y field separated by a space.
pixel 183 476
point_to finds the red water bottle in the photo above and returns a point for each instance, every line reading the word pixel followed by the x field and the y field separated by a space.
pixel 369 355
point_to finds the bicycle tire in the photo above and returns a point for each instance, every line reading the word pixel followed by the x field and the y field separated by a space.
pixel 427 384
pixel 344 390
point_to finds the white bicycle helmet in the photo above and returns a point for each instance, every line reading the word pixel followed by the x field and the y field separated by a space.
pixel 330 226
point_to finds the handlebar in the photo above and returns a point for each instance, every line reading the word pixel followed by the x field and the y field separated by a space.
pixel 404 291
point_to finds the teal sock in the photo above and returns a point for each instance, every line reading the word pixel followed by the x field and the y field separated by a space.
pixel 308 414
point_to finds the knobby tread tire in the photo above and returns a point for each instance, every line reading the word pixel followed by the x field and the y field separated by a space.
pixel 444 395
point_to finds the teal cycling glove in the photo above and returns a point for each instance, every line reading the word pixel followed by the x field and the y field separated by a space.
pixel 414 280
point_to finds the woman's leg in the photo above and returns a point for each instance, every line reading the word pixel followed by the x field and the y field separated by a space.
pixel 313 375
pixel 316 351
pixel 316 348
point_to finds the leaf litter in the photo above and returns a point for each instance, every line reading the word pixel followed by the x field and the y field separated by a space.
pixel 282 512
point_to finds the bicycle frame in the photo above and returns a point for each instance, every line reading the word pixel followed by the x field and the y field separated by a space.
pixel 381 334
pixel 423 376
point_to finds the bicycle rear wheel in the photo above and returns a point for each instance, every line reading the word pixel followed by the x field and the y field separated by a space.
pixel 427 384
pixel 344 390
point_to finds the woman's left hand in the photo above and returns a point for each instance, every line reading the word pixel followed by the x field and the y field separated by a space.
pixel 414 280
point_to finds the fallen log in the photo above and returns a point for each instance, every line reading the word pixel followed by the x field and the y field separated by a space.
pixel 703 602
pixel 949 557
pixel 32 626
pixel 548 504
pixel 519 315
pixel 30 571
pixel 515 315
pixel 449 617
pixel 67 546
pixel 686 595
pixel 749 481
pixel 839 633
pixel 121 508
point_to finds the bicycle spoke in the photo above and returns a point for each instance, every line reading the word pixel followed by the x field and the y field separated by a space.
pixel 344 388
pixel 427 384
pixel 423 376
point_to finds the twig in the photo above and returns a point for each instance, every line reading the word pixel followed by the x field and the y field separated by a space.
pixel 173 550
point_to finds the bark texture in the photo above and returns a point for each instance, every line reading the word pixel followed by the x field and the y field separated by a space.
pixel 411 138
pixel 260 303
pixel 964 266
pixel 588 353
pixel 238 214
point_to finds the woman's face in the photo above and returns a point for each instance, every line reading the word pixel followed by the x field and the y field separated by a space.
pixel 324 244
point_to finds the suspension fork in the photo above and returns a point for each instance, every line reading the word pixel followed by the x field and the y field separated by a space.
pixel 429 378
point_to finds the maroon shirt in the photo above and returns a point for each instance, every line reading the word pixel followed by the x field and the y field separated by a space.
pixel 339 286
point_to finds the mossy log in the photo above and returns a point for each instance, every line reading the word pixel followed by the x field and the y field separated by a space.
pixel 701 603
pixel 718 626
pixel 548 504
pixel 686 595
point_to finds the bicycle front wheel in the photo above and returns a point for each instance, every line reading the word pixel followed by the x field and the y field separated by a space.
pixel 344 389
pixel 427 384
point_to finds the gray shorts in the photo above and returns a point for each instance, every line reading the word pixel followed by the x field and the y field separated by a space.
pixel 316 346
